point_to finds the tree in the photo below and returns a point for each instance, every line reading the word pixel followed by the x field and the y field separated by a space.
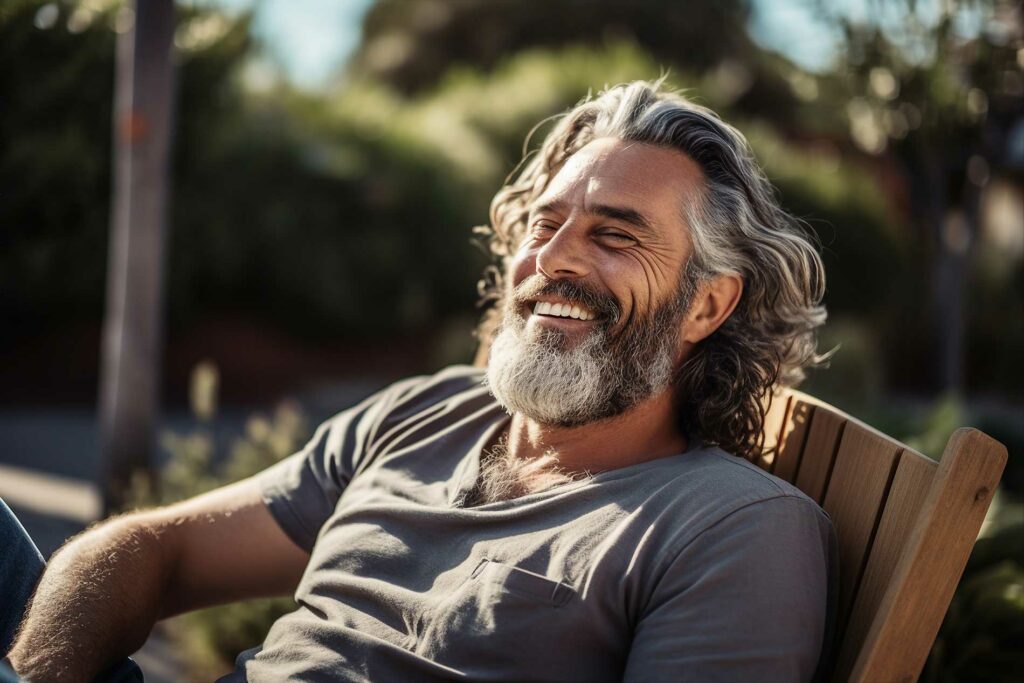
pixel 412 44
pixel 937 88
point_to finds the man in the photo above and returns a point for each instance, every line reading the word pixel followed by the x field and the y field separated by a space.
pixel 583 511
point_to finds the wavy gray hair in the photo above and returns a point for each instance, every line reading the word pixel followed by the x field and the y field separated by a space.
pixel 736 226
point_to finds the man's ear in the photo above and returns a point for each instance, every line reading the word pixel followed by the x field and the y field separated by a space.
pixel 714 301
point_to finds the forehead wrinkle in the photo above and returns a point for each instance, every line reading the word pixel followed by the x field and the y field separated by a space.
pixel 586 175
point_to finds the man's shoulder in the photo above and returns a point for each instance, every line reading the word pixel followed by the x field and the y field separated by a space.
pixel 717 497
pixel 455 382
pixel 721 484
pixel 455 378
pixel 754 478
pixel 456 385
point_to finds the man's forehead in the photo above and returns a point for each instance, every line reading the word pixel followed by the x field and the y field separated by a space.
pixel 613 172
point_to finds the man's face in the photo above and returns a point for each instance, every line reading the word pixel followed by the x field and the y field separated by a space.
pixel 595 305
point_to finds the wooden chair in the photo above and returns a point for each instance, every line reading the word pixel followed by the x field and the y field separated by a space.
pixel 905 524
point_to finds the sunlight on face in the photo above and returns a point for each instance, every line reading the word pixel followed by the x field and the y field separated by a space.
pixel 593 318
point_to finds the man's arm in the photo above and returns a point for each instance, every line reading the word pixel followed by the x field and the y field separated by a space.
pixel 102 592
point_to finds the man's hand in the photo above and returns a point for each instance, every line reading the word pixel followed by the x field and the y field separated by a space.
pixel 102 592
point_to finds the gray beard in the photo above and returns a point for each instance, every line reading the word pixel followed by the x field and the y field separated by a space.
pixel 535 375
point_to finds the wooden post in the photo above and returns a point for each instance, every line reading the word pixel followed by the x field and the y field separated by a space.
pixel 133 325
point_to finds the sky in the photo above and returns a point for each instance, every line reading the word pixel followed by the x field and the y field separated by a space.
pixel 311 39
pixel 789 27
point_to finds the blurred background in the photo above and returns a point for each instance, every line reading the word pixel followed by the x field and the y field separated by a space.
pixel 328 160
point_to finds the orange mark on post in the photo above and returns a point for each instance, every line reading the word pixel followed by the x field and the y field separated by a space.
pixel 134 127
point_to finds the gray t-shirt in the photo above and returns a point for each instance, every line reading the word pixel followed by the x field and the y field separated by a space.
pixel 697 567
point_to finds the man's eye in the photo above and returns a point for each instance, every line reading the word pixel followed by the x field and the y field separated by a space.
pixel 617 238
pixel 544 227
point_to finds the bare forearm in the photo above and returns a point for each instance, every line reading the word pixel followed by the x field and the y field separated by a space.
pixel 102 593
pixel 96 603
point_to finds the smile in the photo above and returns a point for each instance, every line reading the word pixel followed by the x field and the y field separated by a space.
pixel 566 310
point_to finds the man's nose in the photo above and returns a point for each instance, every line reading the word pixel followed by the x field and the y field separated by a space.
pixel 564 255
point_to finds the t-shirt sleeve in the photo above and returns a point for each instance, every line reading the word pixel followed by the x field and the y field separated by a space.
pixel 302 490
pixel 751 598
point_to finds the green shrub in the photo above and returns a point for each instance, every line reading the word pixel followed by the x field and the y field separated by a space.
pixel 982 636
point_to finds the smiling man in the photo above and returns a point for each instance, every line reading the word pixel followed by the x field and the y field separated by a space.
pixel 584 509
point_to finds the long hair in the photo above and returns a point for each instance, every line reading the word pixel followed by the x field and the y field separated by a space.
pixel 736 226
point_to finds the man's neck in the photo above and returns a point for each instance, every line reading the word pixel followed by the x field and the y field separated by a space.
pixel 645 432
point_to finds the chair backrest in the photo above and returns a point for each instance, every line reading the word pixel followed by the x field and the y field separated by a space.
pixel 905 524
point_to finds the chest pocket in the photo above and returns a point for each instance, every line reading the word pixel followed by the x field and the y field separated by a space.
pixel 498 603
pixel 522 624
pixel 497 576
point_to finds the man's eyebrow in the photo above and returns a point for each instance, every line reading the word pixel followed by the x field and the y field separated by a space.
pixel 620 213
pixel 623 213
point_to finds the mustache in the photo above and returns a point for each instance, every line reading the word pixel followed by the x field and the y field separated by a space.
pixel 577 291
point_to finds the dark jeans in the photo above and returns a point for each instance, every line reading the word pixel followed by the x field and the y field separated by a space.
pixel 21 565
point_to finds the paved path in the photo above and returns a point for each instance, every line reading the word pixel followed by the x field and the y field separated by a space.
pixel 51 495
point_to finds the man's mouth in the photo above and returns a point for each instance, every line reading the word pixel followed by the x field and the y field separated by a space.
pixel 562 310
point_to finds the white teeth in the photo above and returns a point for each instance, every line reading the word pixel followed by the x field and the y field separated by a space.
pixel 562 311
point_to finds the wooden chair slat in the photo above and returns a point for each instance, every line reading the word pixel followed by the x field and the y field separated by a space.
pixel 826 428
pixel 932 560
pixel 792 439
pixel 857 489
pixel 774 419
pixel 910 485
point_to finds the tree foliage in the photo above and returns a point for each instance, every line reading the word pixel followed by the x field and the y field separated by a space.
pixel 936 90
pixel 346 214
